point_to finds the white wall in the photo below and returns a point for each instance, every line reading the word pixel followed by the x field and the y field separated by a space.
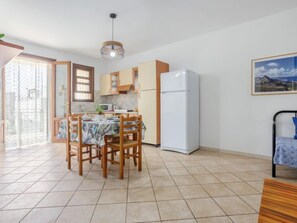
pixel 231 118
pixel 99 65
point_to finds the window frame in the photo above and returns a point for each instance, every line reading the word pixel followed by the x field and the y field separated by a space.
pixel 74 82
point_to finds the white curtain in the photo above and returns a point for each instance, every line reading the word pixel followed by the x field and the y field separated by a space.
pixel 26 102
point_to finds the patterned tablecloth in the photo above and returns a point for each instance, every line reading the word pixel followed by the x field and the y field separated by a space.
pixel 93 131
pixel 286 152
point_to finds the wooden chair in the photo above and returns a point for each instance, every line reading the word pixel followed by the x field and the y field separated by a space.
pixel 129 126
pixel 279 202
pixel 76 148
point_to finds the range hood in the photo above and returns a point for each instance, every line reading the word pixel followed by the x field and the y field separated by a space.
pixel 123 89
pixel 8 51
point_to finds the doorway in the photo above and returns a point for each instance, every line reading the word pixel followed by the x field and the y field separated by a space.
pixel 25 102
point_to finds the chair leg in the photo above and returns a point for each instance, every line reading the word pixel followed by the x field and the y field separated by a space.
pixel 90 154
pixel 139 157
pixel 134 155
pixel 104 160
pixel 121 164
pixel 80 162
pixel 69 156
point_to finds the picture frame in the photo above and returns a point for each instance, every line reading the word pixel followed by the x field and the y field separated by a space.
pixel 274 75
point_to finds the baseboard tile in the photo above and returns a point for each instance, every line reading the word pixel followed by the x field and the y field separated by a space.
pixel 235 153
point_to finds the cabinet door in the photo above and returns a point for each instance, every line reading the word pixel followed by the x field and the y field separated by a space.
pixel 126 77
pixel 105 84
pixel 147 75
pixel 147 108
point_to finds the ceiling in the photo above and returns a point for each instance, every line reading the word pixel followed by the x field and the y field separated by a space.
pixel 80 26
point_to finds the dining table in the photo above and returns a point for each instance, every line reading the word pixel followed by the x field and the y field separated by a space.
pixel 94 130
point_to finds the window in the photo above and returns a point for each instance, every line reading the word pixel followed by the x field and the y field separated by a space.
pixel 83 83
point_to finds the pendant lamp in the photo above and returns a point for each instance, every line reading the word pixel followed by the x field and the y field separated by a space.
pixel 112 50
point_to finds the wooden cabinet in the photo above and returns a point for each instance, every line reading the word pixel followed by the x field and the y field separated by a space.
pixel 109 84
pixel 126 77
pixel 105 84
pixel 147 77
pixel 149 98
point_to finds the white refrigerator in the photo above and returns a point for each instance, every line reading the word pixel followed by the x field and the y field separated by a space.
pixel 180 111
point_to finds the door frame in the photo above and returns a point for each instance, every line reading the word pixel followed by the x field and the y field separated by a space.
pixel 55 121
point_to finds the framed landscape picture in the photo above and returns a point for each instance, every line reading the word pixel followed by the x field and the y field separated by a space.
pixel 275 75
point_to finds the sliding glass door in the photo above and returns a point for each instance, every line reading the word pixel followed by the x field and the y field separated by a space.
pixel 25 102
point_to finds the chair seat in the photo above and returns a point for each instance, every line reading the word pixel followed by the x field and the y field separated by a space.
pixel 74 143
pixel 127 144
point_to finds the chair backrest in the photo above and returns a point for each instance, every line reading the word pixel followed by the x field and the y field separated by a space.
pixel 279 202
pixel 74 127
pixel 131 126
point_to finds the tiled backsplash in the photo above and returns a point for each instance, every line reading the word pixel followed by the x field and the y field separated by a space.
pixel 124 101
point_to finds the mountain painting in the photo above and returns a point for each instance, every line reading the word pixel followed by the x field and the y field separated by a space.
pixel 275 75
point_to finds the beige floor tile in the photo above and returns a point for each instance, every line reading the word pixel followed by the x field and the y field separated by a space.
pixel 247 176
pixel 43 215
pixel 253 200
pixel 214 220
pixel 42 187
pixel 5 199
pixel 141 194
pixel 10 178
pixel 53 176
pixel 184 180
pixel 116 183
pixel 182 221
pixel 85 197
pixel 13 216
pixel 170 164
pixel 216 169
pixel 16 188
pixel 133 173
pixel 197 170
pixel 73 176
pixel 92 184
pixel 162 181
pixel 142 212
pixel 167 193
pixel 178 171
pixel 55 199
pixel 77 214
pixel 113 196
pixel 205 207
pixel 140 182
pixel 174 210
pixel 3 186
pixel 249 218
pixel 258 185
pixel 193 191
pixel 159 172
pixel 25 201
pixel 103 213
pixel 206 179
pixel 241 188
pixel 227 177
pixel 217 190
pixel 233 205
pixel 67 185
pixel 31 177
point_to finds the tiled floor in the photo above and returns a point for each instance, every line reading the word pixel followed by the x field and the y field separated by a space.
pixel 35 186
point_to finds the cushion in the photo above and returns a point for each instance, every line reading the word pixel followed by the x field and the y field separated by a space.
pixel 295 123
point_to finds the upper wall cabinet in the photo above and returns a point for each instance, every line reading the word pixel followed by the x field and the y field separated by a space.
pixel 109 84
pixel 8 51
pixel 126 77
pixel 147 78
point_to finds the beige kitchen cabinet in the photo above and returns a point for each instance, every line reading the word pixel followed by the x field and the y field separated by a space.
pixel 126 77
pixel 147 108
pixel 109 84
pixel 105 84
pixel 149 98
pixel 147 78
